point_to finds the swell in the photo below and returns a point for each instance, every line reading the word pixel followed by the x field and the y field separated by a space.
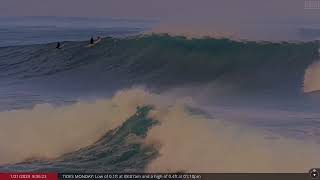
pixel 163 60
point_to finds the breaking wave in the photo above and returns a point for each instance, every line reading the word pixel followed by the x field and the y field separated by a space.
pixel 138 131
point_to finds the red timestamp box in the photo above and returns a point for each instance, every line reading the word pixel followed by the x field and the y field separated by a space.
pixel 28 176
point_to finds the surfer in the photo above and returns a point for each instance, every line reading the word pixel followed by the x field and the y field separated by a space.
pixel 94 42
pixel 91 40
pixel 58 45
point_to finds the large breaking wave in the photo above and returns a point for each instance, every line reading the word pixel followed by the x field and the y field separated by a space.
pixel 161 135
pixel 138 130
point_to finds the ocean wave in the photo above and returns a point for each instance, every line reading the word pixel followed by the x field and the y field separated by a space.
pixel 139 131
pixel 164 60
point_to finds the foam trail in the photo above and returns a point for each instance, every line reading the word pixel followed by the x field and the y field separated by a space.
pixel 47 131
pixel 312 78
pixel 193 143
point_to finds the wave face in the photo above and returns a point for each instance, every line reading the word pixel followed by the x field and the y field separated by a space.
pixel 163 60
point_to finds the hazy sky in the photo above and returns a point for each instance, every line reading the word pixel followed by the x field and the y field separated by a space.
pixel 228 15
pixel 249 10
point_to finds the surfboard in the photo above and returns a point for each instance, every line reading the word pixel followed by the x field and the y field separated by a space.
pixel 94 43
pixel 61 46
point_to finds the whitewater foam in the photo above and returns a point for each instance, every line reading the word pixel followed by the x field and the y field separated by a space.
pixel 312 78
pixel 193 143
pixel 48 132
pixel 186 141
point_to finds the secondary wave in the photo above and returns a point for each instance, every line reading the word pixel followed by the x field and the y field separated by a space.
pixel 164 60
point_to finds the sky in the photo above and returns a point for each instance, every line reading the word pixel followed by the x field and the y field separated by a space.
pixel 252 10
pixel 217 13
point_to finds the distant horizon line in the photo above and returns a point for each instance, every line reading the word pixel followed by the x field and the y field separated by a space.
pixel 87 17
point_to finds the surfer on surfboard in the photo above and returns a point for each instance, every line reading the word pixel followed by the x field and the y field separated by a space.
pixel 94 42
pixel 58 45
pixel 91 40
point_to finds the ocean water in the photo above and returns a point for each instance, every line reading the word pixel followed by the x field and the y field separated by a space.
pixel 39 30
pixel 153 103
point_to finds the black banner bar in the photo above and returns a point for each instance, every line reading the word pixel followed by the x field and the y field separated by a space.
pixel 186 176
